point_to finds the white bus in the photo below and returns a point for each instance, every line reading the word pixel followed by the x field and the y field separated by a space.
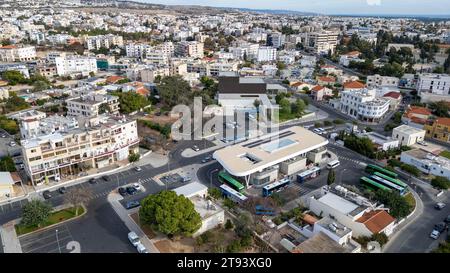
pixel 333 164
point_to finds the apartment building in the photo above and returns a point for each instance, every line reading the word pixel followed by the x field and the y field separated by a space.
pixel 266 54
pixel 190 49
pixel 426 162
pixel 363 105
pixel 433 87
pixel 438 129
pixel 98 142
pixel 75 65
pixel 322 42
pixel 276 39
pixel 91 105
pixel 12 53
pixel 408 135
pixel 377 81
pixel 106 41
pixel 136 50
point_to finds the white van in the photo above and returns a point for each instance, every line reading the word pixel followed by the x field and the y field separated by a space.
pixel 141 248
pixel 333 164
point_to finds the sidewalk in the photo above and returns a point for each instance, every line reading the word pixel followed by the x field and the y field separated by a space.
pixel 10 241
pixel 113 199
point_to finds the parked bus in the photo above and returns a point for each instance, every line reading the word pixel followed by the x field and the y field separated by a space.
pixel 308 174
pixel 261 210
pixel 268 190
pixel 388 184
pixel 370 168
pixel 232 194
pixel 372 185
pixel 393 180
pixel 333 164
pixel 230 181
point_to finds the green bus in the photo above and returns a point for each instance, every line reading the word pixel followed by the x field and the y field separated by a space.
pixel 230 181
pixel 372 185
pixel 393 180
pixel 374 168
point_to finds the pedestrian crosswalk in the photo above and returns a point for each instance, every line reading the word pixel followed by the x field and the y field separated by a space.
pixel 300 189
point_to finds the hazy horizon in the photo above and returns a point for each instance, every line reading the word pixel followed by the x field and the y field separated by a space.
pixel 331 7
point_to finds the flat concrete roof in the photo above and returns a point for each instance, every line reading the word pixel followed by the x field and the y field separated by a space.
pixel 268 150
pixel 338 203
pixel 408 129
pixel 191 189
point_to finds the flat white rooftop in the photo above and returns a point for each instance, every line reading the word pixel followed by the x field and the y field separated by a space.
pixel 338 203
pixel 191 189
pixel 260 153
pixel 408 129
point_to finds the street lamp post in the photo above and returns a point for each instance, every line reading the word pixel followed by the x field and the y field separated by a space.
pixel 210 176
pixel 57 240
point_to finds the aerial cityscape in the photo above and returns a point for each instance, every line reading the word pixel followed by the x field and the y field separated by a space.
pixel 224 127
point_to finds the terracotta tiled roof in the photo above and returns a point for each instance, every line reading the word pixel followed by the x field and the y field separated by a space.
pixel 376 220
pixel 317 88
pixel 8 47
pixel 418 120
pixel 443 121
pixel 327 79
pixel 418 111
pixel 354 85
pixel 114 79
pixel 393 94
pixel 352 53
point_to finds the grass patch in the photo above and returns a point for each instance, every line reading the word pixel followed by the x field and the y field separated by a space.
pixel 410 199
pixel 445 154
pixel 54 218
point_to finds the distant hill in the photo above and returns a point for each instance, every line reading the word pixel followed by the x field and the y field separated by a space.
pixel 278 11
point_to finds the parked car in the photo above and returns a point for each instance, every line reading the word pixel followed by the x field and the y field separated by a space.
pixel 186 179
pixel 22 166
pixel 92 181
pixel 435 234
pixel 105 178
pixel 62 190
pixel 132 204
pixel 3 135
pixel 439 206
pixel 447 220
pixel 134 239
pixel 141 248
pixel 137 186
pixel 122 191
pixel 138 169
pixel 47 195
pixel 131 190
pixel 440 227
pixel 12 144
pixel 195 148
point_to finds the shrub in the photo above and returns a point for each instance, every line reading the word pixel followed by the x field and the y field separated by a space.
pixel 327 123
pixel 235 246
pixel 229 204
pixel 410 169
pixel 229 224
pixel 338 121
pixel 440 182
pixel 214 193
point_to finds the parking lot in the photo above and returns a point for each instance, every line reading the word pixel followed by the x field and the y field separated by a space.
pixel 53 240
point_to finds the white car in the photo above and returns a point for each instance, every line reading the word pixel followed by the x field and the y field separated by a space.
pixel 141 248
pixel 134 239
pixel 12 144
pixel 137 186
pixel 138 169
pixel 435 234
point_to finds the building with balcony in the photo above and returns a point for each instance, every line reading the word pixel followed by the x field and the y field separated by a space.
pixel 438 129
pixel 363 105
pixel 97 143
pixel 92 105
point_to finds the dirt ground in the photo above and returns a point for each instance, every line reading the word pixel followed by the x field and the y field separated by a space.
pixel 185 245
pixel 146 229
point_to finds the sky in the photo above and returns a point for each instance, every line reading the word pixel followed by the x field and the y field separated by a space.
pixel 383 7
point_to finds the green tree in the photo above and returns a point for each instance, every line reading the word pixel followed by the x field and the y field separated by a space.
pixel 174 90
pixel 440 182
pixel 399 207
pixel 35 213
pixel 40 85
pixel 440 108
pixel 14 103
pixel 285 106
pixel 170 214
pixel 9 125
pixel 130 102
pixel 229 224
pixel 381 238
pixel 214 193
pixel 331 177
pixel 7 164
pixel 410 169
pixel 13 77
pixel 133 157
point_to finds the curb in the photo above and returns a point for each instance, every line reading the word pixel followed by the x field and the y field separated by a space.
pixel 56 224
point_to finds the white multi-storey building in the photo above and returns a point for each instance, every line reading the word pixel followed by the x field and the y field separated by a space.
pixel 322 42
pixel 363 105
pixel 106 41
pixel 433 87
pixel 377 80
pixel 13 53
pixel 266 54
pixel 70 65
pixel 97 143
pixel 91 105
pixel 136 50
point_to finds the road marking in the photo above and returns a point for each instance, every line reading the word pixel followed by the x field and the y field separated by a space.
pixel 53 242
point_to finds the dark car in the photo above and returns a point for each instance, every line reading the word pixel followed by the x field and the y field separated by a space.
pixel 106 178
pixel 62 190
pixel 122 191
pixel 47 195
pixel 131 190
pixel 440 227
pixel 132 204
pixel 447 220
pixel 92 181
